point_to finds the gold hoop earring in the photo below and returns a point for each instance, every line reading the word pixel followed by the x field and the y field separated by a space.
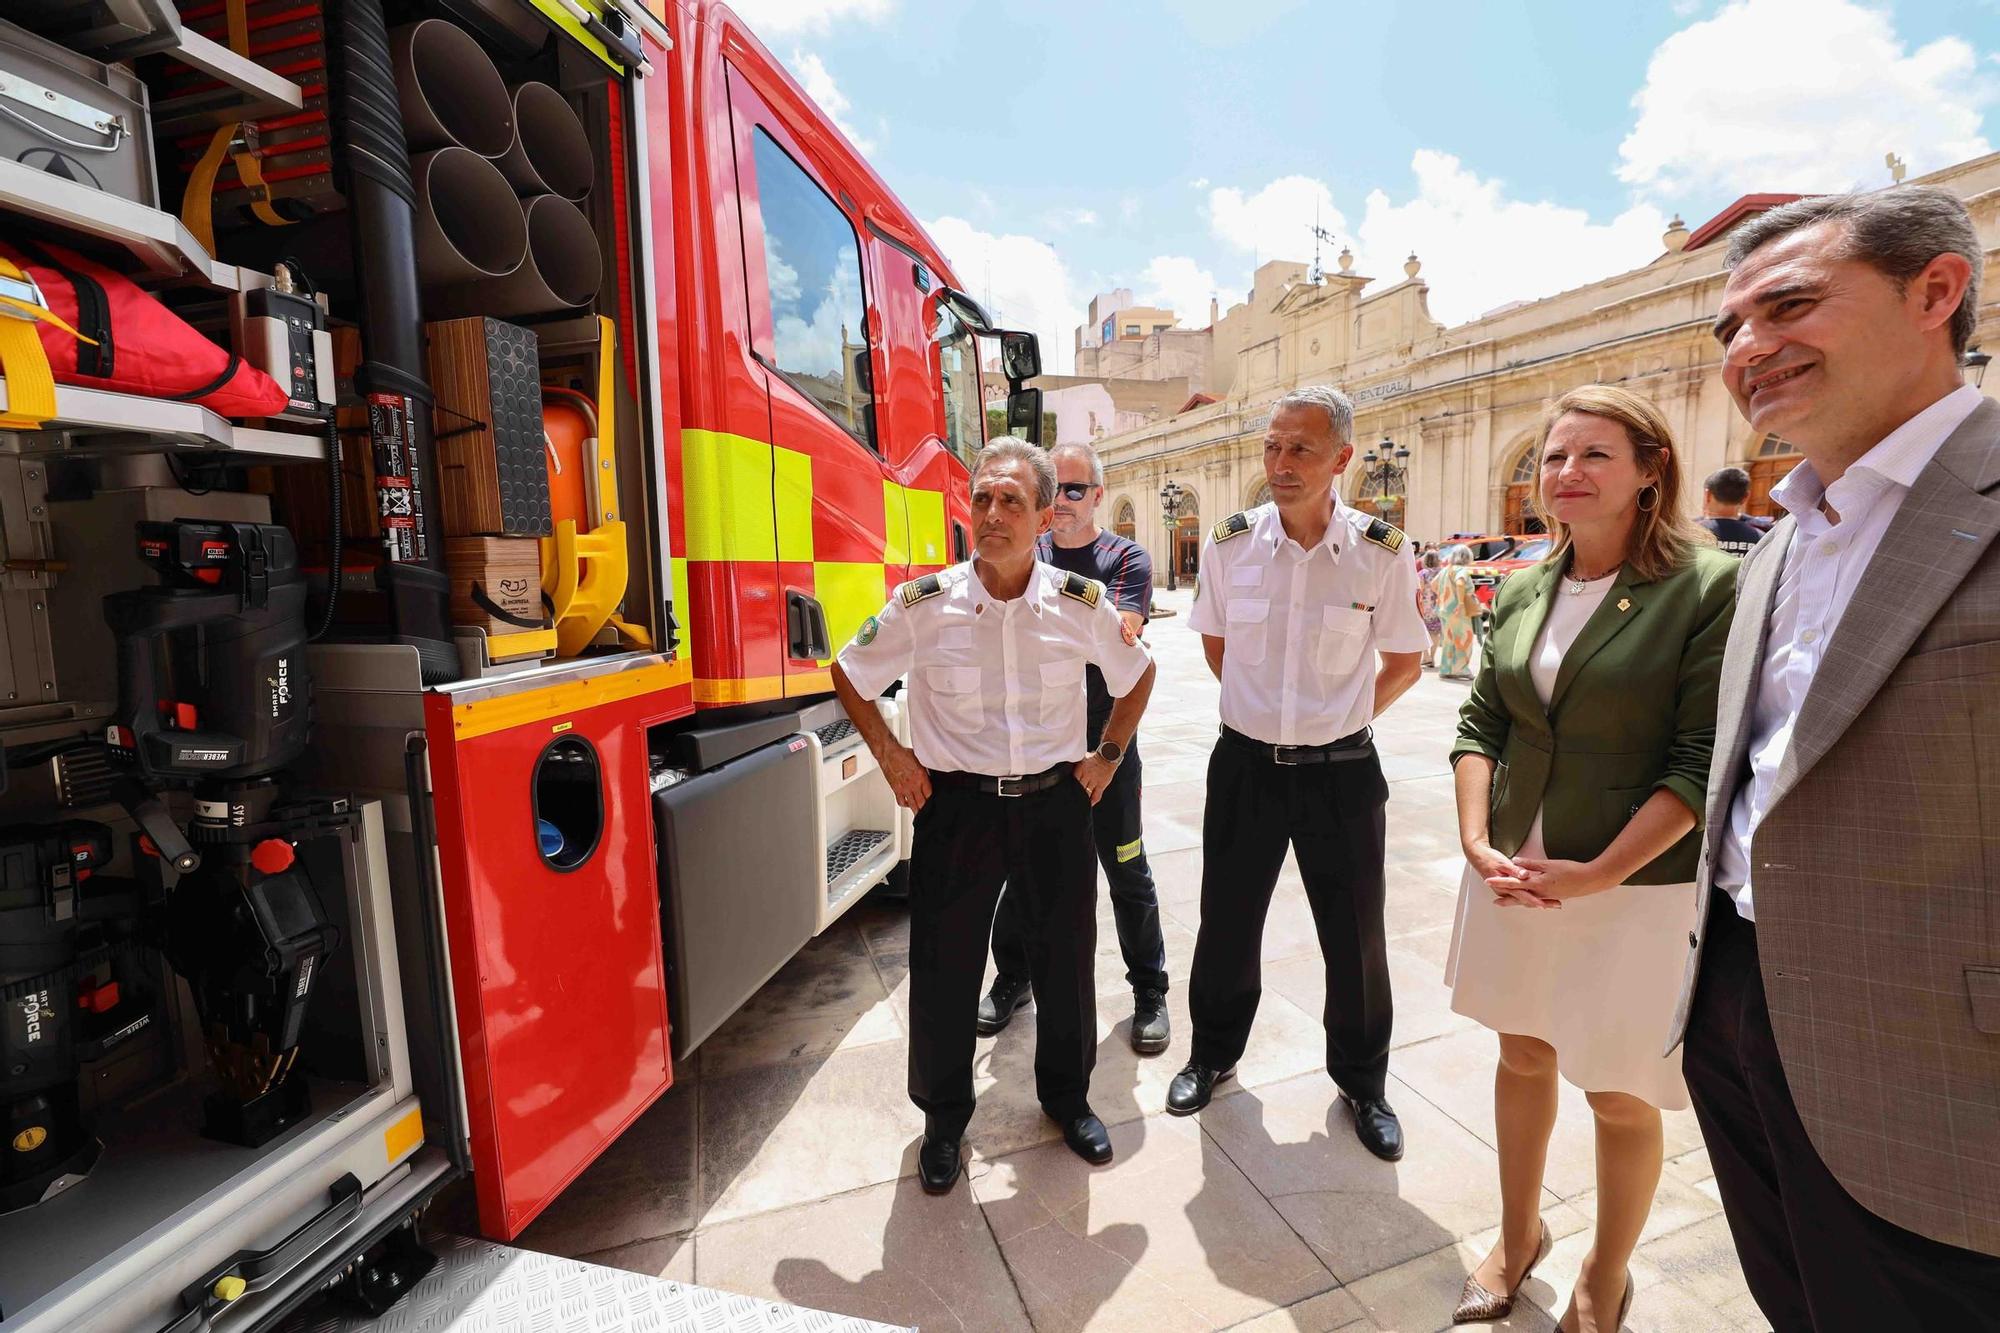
pixel 1647 509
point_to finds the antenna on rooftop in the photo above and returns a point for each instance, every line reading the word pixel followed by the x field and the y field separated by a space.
pixel 1897 167
pixel 1317 273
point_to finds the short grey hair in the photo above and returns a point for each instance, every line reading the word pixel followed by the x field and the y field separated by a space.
pixel 1460 555
pixel 1085 452
pixel 1896 232
pixel 1339 408
pixel 1014 449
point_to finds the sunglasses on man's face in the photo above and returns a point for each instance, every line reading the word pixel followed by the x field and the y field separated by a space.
pixel 1073 490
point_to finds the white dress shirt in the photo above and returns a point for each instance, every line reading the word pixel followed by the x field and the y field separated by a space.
pixel 995 687
pixel 1301 627
pixel 1822 566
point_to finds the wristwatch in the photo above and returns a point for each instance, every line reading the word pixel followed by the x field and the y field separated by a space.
pixel 1109 751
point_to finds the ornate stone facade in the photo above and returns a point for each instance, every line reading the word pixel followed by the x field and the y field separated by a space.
pixel 1465 401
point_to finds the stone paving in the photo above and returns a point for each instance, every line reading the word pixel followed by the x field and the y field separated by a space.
pixel 782 1162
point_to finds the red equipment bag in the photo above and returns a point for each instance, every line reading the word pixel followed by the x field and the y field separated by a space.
pixel 142 347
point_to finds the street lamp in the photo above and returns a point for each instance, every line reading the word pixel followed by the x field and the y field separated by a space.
pixel 1380 474
pixel 1170 505
pixel 1975 363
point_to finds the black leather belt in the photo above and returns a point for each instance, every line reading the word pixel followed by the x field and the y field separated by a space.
pixel 1354 745
pixel 1008 786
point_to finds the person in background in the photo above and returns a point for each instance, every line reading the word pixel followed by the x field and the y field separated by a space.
pixel 1722 500
pixel 1842 999
pixel 1076 544
pixel 1580 767
pixel 1428 568
pixel 1458 615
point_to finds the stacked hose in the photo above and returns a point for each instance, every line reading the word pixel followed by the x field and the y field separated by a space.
pixel 498 176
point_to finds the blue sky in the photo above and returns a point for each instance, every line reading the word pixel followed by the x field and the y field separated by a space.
pixel 1059 149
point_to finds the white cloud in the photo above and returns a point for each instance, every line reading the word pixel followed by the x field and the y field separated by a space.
pixel 768 18
pixel 1198 183
pixel 1276 222
pixel 1800 95
pixel 1023 280
pixel 1179 284
pixel 1084 217
pixel 812 75
pixel 1062 219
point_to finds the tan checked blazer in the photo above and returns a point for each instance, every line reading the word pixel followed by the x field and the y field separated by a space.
pixel 1877 870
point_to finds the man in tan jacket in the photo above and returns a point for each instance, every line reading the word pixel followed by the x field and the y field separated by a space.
pixel 1842 1004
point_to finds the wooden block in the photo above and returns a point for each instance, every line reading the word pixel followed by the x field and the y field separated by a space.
pixel 502 572
pixel 487 378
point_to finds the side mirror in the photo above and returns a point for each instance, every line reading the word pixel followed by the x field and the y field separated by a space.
pixel 1020 357
pixel 1024 411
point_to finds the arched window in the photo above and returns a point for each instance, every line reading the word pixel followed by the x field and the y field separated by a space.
pixel 1517 512
pixel 1260 494
pixel 1767 466
pixel 1381 492
pixel 1126 524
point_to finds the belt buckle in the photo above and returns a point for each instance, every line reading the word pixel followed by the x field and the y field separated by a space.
pixel 1278 753
pixel 1000 786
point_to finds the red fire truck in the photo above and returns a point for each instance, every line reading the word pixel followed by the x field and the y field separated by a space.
pixel 403 776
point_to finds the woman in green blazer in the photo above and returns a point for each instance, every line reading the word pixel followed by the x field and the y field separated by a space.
pixel 1581 766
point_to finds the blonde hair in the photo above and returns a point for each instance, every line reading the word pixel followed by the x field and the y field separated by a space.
pixel 1664 538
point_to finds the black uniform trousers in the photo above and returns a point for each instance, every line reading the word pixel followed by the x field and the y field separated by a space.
pixel 1813 1257
pixel 968 843
pixel 1332 816
pixel 1115 826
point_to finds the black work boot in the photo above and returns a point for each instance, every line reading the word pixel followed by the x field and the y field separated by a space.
pixel 1150 1032
pixel 997 1006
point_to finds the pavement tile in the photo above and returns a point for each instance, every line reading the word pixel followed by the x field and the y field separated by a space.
pixel 641 1188
pixel 1169 1236
pixel 829 998
pixel 889 1252
pixel 1700 1262
pixel 1418 1296
pixel 1296 1143
pixel 788 1133
pixel 1328 1312
pixel 1423 1005
pixel 670 1257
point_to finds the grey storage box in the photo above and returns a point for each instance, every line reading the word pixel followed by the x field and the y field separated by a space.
pixel 74 117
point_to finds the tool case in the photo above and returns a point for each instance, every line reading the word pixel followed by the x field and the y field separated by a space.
pixel 75 117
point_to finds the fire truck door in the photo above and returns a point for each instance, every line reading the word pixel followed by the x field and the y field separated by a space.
pixel 841 519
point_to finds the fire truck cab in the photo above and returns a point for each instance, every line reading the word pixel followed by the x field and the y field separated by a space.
pixel 402 777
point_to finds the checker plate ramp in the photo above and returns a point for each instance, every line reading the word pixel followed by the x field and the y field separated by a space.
pixel 480 1287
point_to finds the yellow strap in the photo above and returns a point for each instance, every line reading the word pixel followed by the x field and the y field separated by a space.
pixel 31 386
pixel 198 199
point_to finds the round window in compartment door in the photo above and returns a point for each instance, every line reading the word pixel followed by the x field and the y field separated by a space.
pixel 569 803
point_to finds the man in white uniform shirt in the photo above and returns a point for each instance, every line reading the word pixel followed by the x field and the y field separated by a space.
pixel 994 652
pixel 1298 599
pixel 1842 1002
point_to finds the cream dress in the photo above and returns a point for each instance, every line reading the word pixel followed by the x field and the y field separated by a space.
pixel 1598 978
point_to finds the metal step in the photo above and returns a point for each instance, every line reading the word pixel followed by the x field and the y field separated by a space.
pixel 849 850
pixel 833 733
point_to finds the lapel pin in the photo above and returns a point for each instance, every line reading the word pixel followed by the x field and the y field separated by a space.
pixel 1624 603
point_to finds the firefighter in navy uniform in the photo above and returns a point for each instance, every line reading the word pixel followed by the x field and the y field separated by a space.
pixel 1297 600
pixel 994 652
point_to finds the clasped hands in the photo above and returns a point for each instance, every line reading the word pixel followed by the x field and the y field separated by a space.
pixel 1527 881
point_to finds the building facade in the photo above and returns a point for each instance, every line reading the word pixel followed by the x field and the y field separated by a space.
pixel 1450 414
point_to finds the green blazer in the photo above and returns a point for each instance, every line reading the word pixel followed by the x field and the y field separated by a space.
pixel 1633 710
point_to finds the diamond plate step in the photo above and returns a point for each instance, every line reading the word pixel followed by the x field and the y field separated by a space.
pixel 480 1287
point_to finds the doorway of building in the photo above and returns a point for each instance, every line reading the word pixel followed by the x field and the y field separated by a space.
pixel 1773 459
pixel 1187 535
pixel 1517 513
pixel 1126 523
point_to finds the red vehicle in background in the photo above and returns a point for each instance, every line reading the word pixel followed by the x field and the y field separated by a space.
pixel 1494 557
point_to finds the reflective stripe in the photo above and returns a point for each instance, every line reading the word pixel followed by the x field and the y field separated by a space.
pixel 792 496
pixel 726 497
pixel 849 593
pixel 755 689
pixel 895 523
pixel 486 716
pixel 926 527
pixel 1130 851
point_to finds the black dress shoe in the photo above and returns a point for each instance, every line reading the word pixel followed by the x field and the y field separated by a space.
pixel 1149 1022
pixel 1193 1086
pixel 997 1007
pixel 1375 1124
pixel 1088 1139
pixel 938 1163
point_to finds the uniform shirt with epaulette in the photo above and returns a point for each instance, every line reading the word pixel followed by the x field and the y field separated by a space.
pixel 1302 627
pixel 995 687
